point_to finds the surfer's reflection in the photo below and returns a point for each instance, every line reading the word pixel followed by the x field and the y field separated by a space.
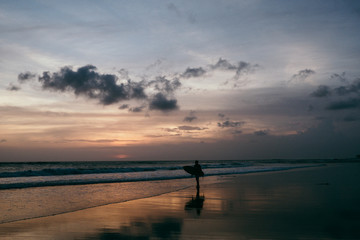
pixel 196 203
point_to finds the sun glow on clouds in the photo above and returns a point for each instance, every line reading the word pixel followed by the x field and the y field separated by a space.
pixel 232 76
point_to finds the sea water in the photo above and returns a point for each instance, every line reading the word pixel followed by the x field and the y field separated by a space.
pixel 36 189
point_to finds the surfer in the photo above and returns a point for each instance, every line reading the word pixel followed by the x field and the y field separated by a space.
pixel 195 171
pixel 198 169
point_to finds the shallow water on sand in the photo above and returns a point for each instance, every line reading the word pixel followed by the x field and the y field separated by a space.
pixel 18 204
pixel 316 203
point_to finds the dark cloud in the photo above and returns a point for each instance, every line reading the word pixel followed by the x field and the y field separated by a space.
pixel 193 72
pixel 229 123
pixel 240 68
pixel 170 129
pixel 344 104
pixel 191 117
pixel 321 91
pixel 324 91
pixel 189 128
pixel 346 96
pixel 109 88
pixel 22 77
pixel 223 64
pixel 124 106
pixel 221 115
pixel 87 82
pixel 262 132
pixel 302 75
pixel 13 87
pixel 162 84
pixel 124 74
pixel 340 77
pixel 161 102
pixel 3 140
pixel 137 109
pixel 353 87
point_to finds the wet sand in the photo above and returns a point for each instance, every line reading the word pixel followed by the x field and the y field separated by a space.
pixel 312 203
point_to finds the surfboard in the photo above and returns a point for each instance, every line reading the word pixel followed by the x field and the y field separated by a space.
pixel 193 171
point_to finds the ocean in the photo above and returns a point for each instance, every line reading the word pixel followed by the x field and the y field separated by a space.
pixel 37 189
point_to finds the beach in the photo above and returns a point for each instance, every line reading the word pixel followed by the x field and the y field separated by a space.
pixel 307 203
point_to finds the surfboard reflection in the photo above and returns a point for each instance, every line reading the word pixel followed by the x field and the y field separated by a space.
pixel 195 203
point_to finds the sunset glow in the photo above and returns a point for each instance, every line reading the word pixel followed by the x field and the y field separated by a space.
pixel 179 80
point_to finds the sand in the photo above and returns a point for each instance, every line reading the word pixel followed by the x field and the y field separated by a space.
pixel 311 203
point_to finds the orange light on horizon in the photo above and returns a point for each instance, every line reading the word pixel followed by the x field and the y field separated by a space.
pixel 122 156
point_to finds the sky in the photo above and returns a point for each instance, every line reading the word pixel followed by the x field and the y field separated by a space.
pixel 179 80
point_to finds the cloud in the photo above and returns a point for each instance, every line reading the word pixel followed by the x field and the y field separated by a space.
pixel 87 82
pixel 221 115
pixel 109 88
pixel 170 129
pixel 13 87
pixel 302 75
pixel 137 109
pixel 124 74
pixel 162 84
pixel 305 73
pixel 223 64
pixel 340 77
pixel 124 106
pixel 229 123
pixel 345 104
pixel 262 132
pixel 324 91
pixel 189 128
pixel 193 72
pixel 321 91
pixel 350 91
pixel 161 102
pixel 183 128
pixel 353 87
pixel 241 68
pixel 22 77
pixel 191 117
pixel 3 141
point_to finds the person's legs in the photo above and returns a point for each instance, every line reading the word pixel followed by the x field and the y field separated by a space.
pixel 197 183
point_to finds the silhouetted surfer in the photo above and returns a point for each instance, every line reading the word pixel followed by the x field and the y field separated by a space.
pixel 198 169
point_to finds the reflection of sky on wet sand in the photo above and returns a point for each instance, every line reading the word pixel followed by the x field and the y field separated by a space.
pixel 317 203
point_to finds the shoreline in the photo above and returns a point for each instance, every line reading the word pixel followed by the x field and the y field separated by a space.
pixel 65 199
pixel 249 200
pixel 92 181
